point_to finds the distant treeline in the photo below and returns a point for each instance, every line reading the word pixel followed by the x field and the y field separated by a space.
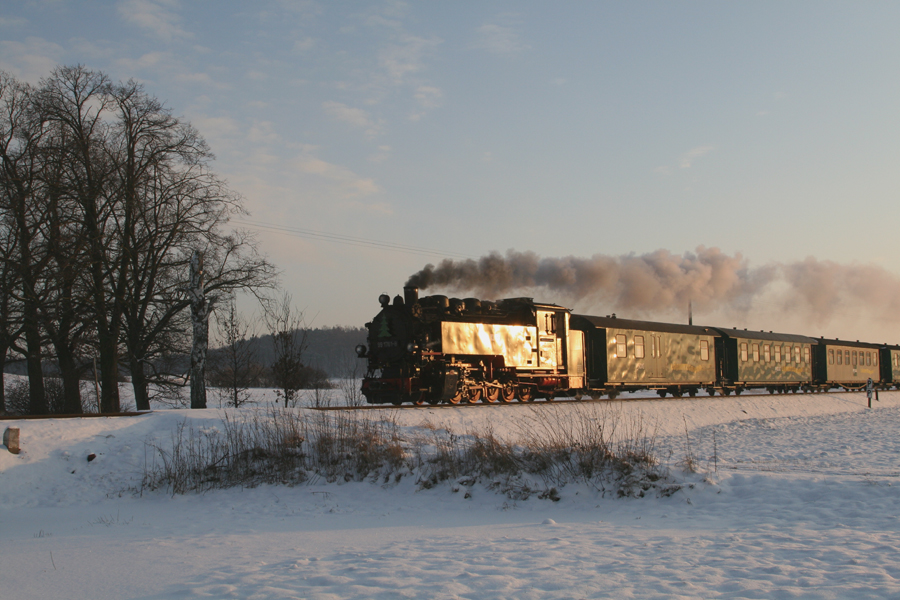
pixel 331 349
pixel 329 353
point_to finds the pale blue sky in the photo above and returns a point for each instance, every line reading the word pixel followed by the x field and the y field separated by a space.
pixel 769 129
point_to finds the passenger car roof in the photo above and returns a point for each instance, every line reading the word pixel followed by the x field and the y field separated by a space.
pixel 616 323
pixel 744 334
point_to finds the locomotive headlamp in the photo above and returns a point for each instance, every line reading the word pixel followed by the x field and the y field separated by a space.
pixel 361 351
pixel 411 347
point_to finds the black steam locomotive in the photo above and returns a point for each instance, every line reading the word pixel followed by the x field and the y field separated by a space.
pixel 437 349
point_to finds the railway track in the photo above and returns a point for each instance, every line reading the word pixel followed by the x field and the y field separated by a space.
pixel 568 401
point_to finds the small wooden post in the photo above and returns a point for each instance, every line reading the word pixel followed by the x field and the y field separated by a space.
pixel 11 439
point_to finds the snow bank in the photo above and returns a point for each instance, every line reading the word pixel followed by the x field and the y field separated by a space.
pixel 795 496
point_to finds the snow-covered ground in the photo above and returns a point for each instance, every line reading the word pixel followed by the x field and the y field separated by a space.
pixel 793 497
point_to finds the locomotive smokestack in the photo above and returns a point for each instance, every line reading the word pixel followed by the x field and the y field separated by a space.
pixel 410 294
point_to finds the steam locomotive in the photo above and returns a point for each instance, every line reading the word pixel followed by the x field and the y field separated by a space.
pixel 437 349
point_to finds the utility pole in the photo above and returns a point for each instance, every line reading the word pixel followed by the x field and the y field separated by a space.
pixel 200 325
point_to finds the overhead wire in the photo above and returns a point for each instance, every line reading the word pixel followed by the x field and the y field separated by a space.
pixel 349 240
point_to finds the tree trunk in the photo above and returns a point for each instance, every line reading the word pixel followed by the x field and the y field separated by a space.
pixel 139 383
pixel 37 398
pixel 69 372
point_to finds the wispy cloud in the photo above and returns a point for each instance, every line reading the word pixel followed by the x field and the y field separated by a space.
pixel 500 39
pixel 30 60
pixel 355 117
pixel 687 160
pixel 428 97
pixel 344 182
pixel 157 17
pixel 404 56
pixel 12 22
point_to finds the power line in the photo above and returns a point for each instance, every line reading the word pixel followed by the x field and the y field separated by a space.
pixel 349 240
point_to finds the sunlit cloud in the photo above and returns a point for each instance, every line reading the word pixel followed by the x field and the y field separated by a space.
pixel 157 17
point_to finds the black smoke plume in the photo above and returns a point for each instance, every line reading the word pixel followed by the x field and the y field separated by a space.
pixel 804 294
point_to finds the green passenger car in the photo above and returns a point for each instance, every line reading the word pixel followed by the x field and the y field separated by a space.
pixel 758 359
pixel 627 355
pixel 848 364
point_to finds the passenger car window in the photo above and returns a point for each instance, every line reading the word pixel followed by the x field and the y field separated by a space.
pixel 621 348
pixel 755 352
pixel 853 356
pixel 806 354
pixel 639 346
pixel 796 354
pixel 704 350
pixel 777 353
pixel 766 355
pixel 743 351
pixel 840 356
pixel 831 357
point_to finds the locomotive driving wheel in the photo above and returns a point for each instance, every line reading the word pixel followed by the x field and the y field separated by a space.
pixel 456 399
pixel 508 393
pixel 525 394
pixel 492 394
pixel 473 395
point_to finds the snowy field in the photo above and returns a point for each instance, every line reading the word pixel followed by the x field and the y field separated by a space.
pixel 792 497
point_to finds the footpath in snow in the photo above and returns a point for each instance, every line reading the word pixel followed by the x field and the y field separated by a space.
pixel 792 497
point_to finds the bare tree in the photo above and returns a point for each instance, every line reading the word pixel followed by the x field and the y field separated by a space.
pixel 10 308
pixel 104 198
pixel 174 207
pixel 75 103
pixel 287 327
pixel 234 367
pixel 21 135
